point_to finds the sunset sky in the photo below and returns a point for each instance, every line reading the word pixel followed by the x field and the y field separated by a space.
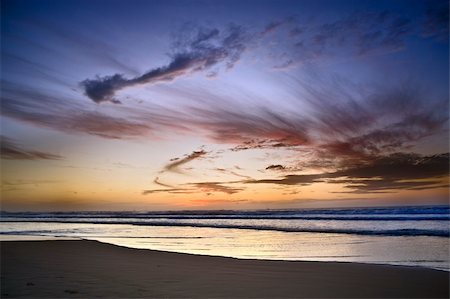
pixel 163 105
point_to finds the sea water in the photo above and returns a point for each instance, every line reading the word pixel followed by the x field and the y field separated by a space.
pixel 411 236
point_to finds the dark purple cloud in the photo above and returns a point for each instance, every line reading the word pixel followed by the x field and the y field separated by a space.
pixel 193 52
pixel 385 174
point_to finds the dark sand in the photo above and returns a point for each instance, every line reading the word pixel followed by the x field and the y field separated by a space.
pixel 91 269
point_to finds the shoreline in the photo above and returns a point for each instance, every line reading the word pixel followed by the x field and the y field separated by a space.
pixel 243 258
pixel 85 268
pixel 23 238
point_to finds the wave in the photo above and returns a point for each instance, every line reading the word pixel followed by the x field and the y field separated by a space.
pixel 396 232
pixel 385 232
pixel 443 210
pixel 243 217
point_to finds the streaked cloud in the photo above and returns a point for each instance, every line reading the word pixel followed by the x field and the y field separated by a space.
pixel 64 114
pixel 158 182
pixel 232 172
pixel 385 174
pixel 177 162
pixel 10 149
pixel 190 188
pixel 210 187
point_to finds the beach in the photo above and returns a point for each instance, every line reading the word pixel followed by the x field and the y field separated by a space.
pixel 81 269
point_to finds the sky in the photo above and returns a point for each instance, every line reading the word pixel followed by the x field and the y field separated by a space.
pixel 180 105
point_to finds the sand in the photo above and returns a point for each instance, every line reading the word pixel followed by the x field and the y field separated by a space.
pixel 78 268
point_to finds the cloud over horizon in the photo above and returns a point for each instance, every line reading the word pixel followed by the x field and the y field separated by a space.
pixel 386 174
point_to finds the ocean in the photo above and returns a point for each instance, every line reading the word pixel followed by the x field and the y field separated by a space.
pixel 409 236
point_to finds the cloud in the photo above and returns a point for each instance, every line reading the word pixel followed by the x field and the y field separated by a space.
pixel 330 117
pixel 349 125
pixel 193 52
pixel 334 118
pixel 216 187
pixel 9 149
pixel 436 22
pixel 228 171
pixel 356 34
pixel 174 166
pixel 14 185
pixel 209 202
pixel 64 114
pixel 89 44
pixel 275 167
pixel 385 174
pixel 171 190
pixel 207 187
pixel 157 182
pixel 285 22
pixel 197 48
pixel 259 128
pixel 401 166
pixel 296 31
pixel 271 27
pixel 302 179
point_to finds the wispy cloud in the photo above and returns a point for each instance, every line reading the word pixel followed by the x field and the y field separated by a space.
pixel 189 188
pixel 271 27
pixel 175 165
pixel 195 52
pixel 343 121
pixel 231 172
pixel 210 187
pixel 259 128
pixel 10 149
pixel 14 185
pixel 158 182
pixel 360 33
pixel 171 190
pixel 64 114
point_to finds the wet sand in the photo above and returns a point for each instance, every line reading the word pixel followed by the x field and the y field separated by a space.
pixel 85 269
